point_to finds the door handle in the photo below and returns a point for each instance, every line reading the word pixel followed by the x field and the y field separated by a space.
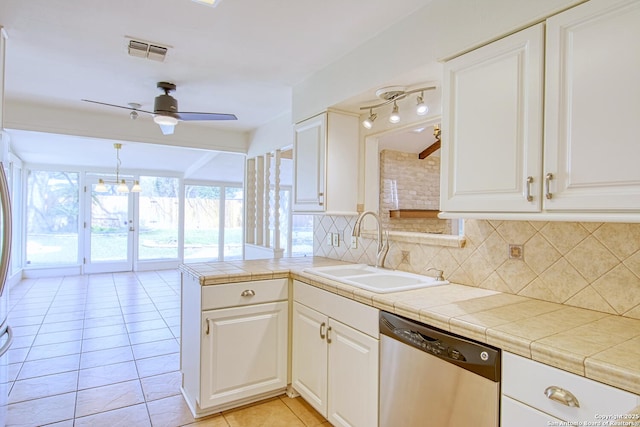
pixel 529 196
pixel 131 229
pixel 547 179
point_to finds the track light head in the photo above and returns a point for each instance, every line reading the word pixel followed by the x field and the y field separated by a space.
pixel 395 115
pixel 368 122
pixel 421 107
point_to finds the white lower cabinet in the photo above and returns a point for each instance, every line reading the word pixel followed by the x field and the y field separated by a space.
pixel 518 414
pixel 534 394
pixel 234 343
pixel 335 356
pixel 244 352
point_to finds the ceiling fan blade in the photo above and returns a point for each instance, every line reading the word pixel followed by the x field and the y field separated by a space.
pixel 117 106
pixel 206 116
pixel 167 129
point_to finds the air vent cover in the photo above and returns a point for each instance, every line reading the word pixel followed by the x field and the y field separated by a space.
pixel 141 49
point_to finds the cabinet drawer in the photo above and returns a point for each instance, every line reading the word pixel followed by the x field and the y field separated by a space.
pixel 526 381
pixel 244 293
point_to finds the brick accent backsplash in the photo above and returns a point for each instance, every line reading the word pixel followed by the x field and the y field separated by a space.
pixel 407 182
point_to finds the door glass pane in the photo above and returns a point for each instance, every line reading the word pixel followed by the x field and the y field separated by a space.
pixel 201 222
pixel 233 224
pixel 52 218
pixel 159 218
pixel 109 225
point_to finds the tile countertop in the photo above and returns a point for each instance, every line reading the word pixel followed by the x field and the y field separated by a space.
pixel 596 345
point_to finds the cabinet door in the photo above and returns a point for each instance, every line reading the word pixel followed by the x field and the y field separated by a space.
pixel 353 377
pixel 593 107
pixel 309 150
pixel 492 126
pixel 514 413
pixel 309 359
pixel 244 352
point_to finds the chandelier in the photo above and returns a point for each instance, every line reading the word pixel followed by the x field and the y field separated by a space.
pixel 393 94
pixel 122 186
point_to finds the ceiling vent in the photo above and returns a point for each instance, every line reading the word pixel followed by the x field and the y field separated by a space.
pixel 141 49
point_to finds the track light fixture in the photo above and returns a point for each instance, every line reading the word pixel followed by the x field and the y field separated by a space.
pixel 393 94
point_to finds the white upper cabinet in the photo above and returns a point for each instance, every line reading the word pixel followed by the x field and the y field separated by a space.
pixel 592 107
pixel 492 126
pixel 325 154
pixel 581 162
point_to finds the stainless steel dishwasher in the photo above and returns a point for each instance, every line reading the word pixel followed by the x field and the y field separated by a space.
pixel 429 377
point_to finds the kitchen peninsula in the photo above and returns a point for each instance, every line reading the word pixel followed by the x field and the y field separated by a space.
pixel 591 344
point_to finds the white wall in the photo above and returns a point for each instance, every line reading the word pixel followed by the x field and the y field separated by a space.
pixel 278 133
pixel 443 28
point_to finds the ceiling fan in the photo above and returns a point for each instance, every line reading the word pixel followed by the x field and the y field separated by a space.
pixel 165 110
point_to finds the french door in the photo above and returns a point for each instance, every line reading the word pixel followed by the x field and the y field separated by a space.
pixel 109 229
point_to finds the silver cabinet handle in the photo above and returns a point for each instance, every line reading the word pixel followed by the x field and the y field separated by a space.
pixel 329 335
pixel 322 334
pixel 320 201
pixel 248 293
pixel 529 182
pixel 562 396
pixel 547 179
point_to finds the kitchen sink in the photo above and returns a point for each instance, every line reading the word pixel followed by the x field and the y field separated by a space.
pixel 379 280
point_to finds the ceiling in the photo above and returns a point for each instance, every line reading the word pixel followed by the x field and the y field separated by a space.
pixel 242 57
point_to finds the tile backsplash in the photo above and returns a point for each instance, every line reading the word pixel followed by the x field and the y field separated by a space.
pixel 582 264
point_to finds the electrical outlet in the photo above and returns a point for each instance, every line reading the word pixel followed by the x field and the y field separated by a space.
pixel 354 242
pixel 516 252
pixel 329 239
pixel 336 239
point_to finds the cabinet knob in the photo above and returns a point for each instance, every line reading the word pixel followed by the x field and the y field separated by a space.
pixel 248 293
pixel 562 396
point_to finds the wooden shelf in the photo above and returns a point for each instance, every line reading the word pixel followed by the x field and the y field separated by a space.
pixel 413 213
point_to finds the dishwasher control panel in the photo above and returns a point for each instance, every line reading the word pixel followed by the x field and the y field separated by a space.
pixel 430 345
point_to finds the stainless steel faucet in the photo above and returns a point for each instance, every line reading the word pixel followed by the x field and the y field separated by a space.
pixel 383 244
pixel 439 273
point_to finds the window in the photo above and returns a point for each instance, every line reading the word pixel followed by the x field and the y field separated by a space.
pixel 52 217
pixel 159 218
pixel 213 222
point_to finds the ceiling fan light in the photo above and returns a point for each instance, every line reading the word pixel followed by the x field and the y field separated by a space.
pixel 395 115
pixel 122 188
pixel 421 107
pixel 165 120
pixel 136 187
pixel 101 187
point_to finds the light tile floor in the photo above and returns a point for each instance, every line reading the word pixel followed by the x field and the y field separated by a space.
pixel 103 350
